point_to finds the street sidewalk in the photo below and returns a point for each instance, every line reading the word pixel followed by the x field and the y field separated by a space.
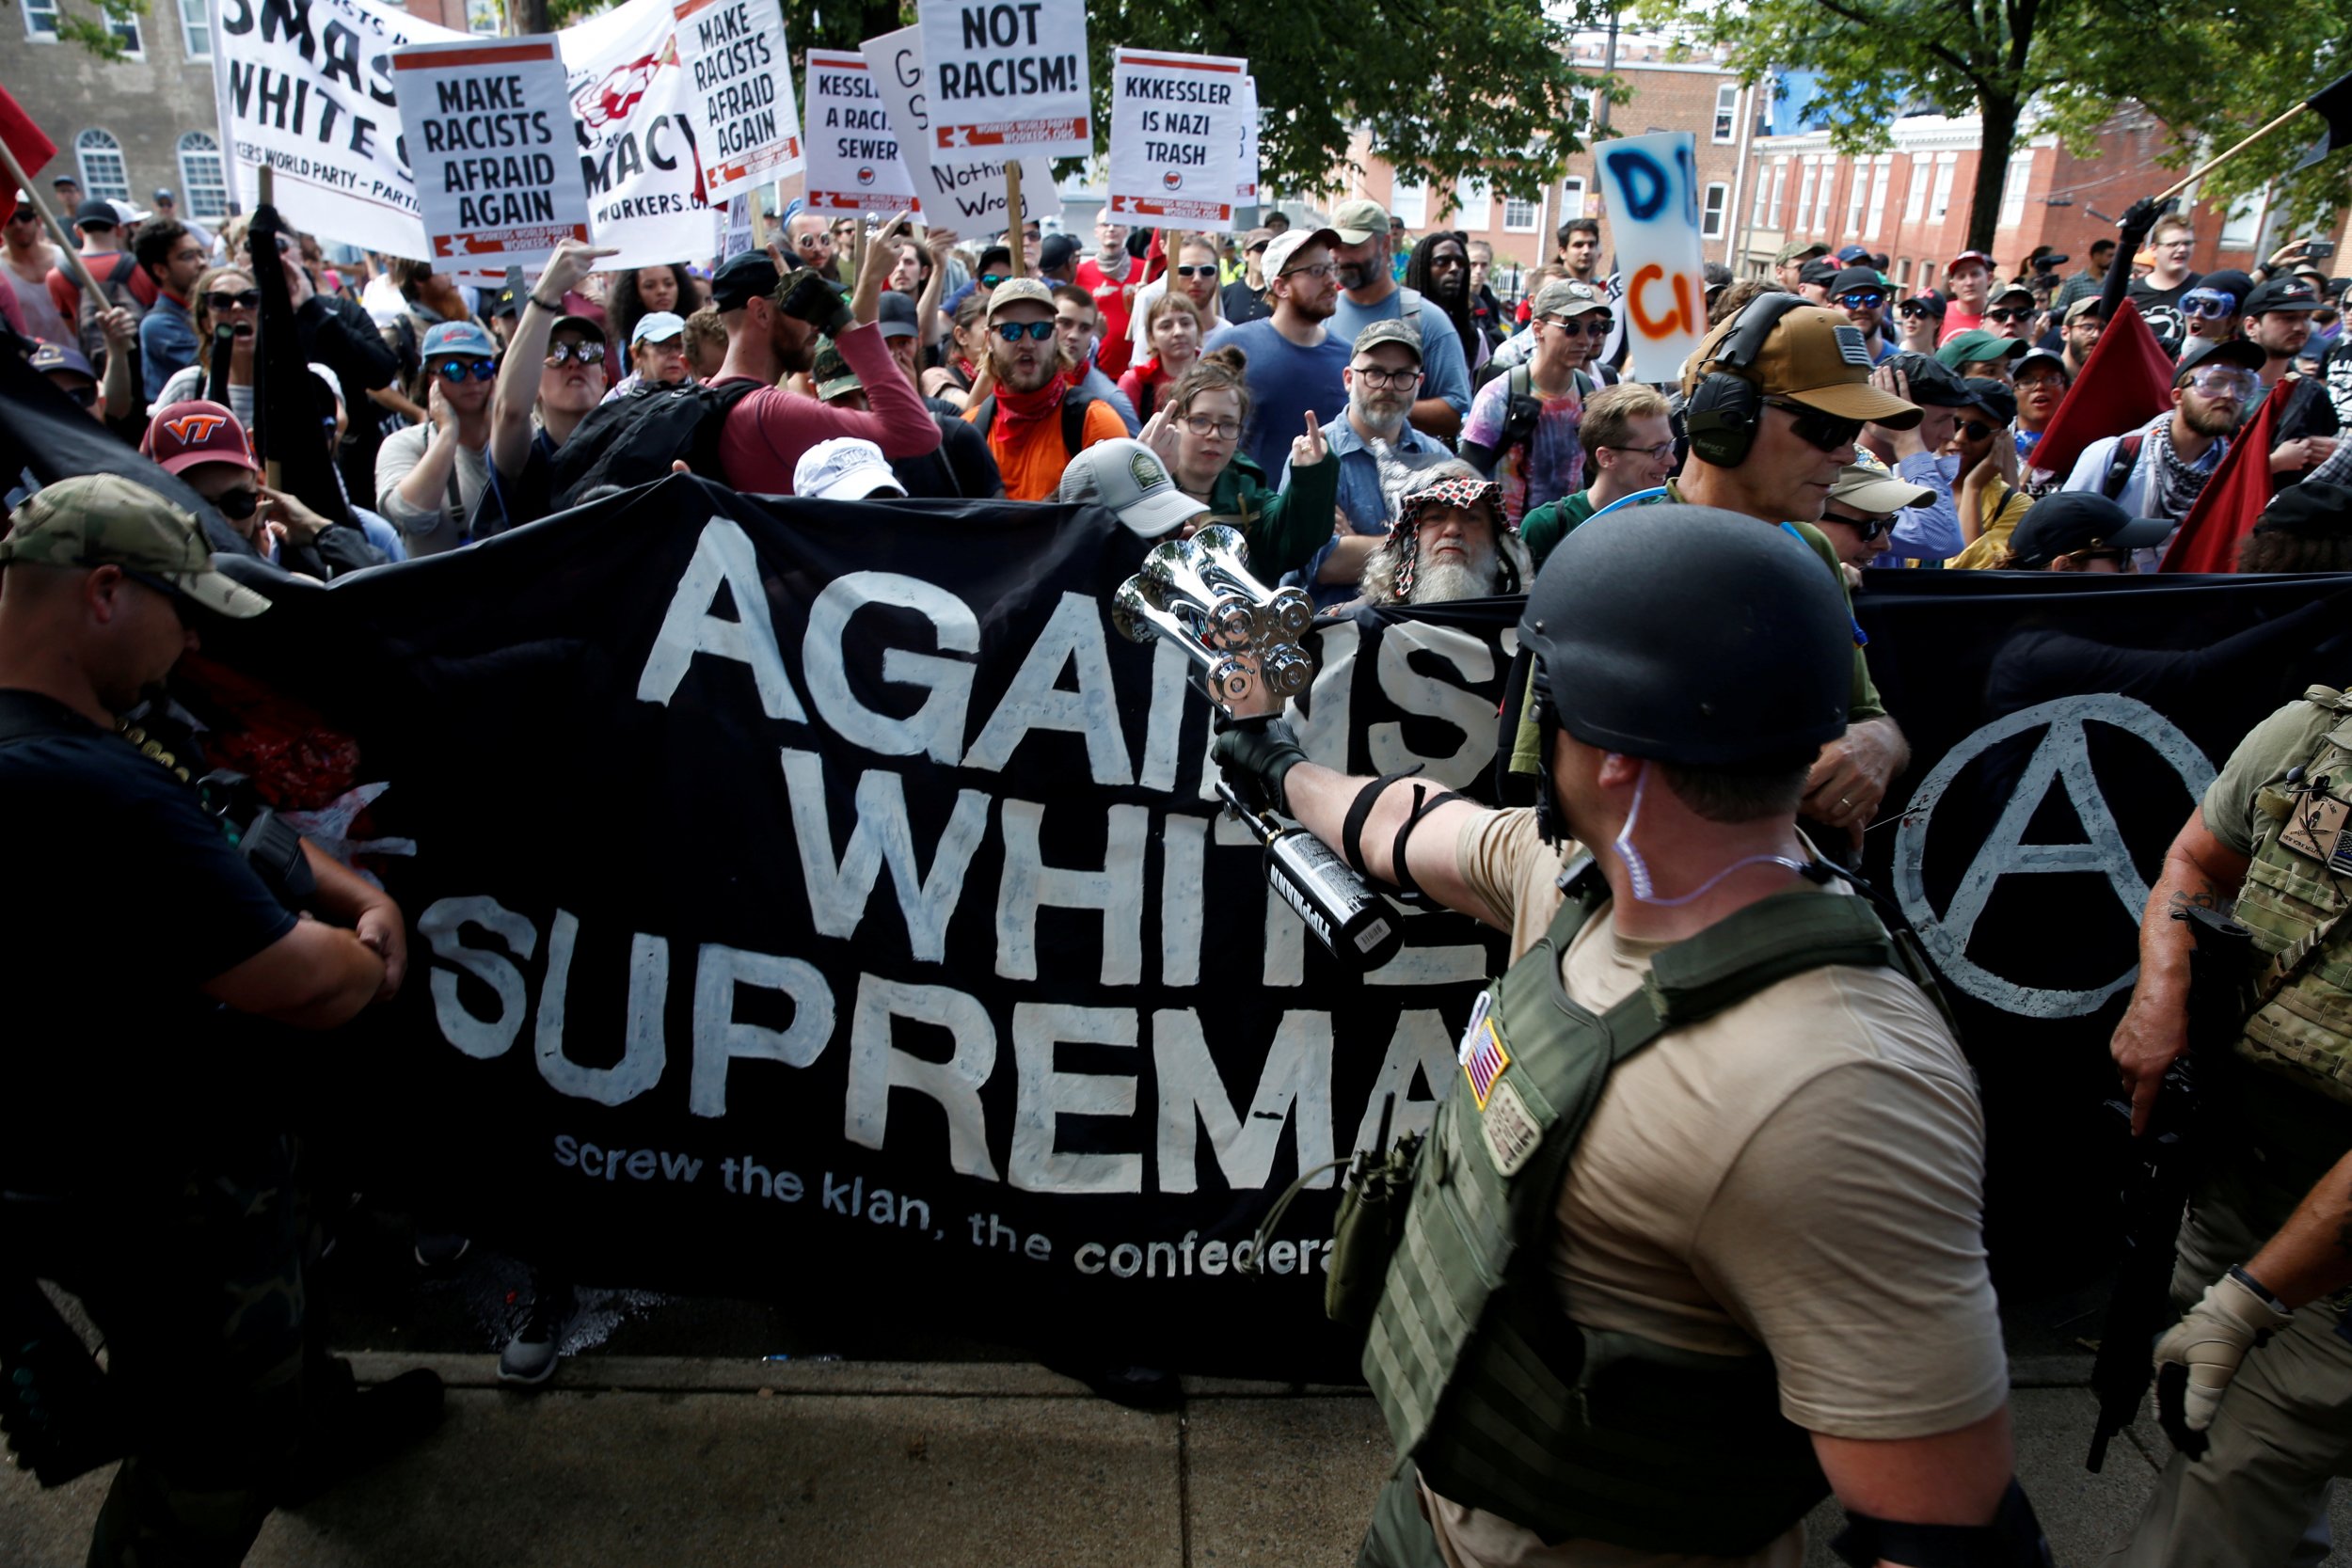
pixel 627 1461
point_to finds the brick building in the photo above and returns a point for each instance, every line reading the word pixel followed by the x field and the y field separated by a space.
pixel 1700 96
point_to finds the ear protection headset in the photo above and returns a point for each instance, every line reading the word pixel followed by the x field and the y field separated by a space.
pixel 1725 410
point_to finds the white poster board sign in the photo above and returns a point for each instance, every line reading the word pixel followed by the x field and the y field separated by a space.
pixel 855 164
pixel 1654 204
pixel 1175 139
pixel 739 92
pixel 1246 187
pixel 1008 77
pixel 489 126
pixel 957 192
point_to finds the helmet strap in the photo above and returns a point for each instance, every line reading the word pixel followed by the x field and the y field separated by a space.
pixel 1637 869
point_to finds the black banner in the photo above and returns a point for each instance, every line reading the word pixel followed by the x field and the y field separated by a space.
pixel 823 900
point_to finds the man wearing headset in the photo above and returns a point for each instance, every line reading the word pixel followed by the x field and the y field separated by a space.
pixel 1774 402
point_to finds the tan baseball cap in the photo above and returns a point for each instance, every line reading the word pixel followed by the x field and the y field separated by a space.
pixel 1016 291
pixel 1814 357
pixel 107 520
pixel 1360 220
pixel 1876 491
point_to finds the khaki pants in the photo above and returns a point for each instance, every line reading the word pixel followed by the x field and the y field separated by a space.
pixel 2258 1496
pixel 1399 1535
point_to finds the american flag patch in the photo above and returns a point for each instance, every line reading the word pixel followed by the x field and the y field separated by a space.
pixel 1485 1064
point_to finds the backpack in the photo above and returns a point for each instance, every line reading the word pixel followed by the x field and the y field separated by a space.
pixel 116 284
pixel 2121 463
pixel 633 441
pixel 1526 410
pixel 1074 418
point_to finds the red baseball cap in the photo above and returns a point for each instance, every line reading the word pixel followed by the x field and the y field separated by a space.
pixel 1977 256
pixel 182 436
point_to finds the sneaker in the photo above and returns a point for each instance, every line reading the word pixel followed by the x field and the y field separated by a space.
pixel 437 1250
pixel 530 1357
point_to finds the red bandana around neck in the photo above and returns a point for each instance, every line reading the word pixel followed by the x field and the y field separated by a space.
pixel 1017 411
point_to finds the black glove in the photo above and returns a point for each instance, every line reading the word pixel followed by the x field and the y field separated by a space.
pixel 807 296
pixel 2142 216
pixel 1256 755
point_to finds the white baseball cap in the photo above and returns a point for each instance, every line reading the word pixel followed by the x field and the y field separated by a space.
pixel 1129 478
pixel 844 470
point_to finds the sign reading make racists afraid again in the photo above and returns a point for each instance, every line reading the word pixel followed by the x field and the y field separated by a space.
pixel 1009 76
pixel 1176 138
pixel 739 92
pixel 490 129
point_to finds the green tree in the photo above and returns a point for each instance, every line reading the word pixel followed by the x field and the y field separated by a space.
pixel 2209 73
pixel 93 25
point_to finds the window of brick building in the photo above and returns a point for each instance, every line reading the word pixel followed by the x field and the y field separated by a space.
pixel 104 175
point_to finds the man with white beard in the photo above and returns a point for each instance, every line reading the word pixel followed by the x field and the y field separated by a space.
pixel 1448 544
pixel 1379 453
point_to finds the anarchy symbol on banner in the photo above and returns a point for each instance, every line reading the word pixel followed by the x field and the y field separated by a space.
pixel 2062 755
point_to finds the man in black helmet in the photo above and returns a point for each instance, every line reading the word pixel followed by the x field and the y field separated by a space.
pixel 1773 401
pixel 1696 1240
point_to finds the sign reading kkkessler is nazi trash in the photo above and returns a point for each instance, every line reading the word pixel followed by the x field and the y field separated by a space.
pixel 1176 138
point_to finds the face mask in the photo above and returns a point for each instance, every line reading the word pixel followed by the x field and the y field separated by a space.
pixel 1637 869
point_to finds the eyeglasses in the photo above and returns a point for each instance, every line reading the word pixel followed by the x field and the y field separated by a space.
pixel 1373 376
pixel 2225 380
pixel 2042 381
pixel 1586 325
pixel 243 299
pixel 587 352
pixel 1201 424
pixel 238 504
pixel 2008 315
pixel 1013 332
pixel 1660 452
pixel 1863 299
pixel 459 370
pixel 1208 271
pixel 1826 432
pixel 1321 269
pixel 1869 528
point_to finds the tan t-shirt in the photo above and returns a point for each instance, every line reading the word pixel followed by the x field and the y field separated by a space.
pixel 1802 1172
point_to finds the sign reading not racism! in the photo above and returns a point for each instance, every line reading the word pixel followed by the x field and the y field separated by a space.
pixel 740 100
pixel 854 160
pixel 1176 138
pixel 953 188
pixel 1653 196
pixel 488 125
pixel 1009 74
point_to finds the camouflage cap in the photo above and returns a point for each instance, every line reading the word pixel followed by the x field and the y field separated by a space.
pixel 108 520
pixel 832 372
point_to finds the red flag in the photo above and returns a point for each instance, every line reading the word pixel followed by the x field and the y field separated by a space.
pixel 2226 508
pixel 25 141
pixel 2126 382
pixel 1154 255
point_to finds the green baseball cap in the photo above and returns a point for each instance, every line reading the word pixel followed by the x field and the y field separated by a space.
pixel 107 520
pixel 1975 346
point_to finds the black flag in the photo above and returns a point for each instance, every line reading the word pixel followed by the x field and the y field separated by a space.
pixel 2333 104
pixel 293 415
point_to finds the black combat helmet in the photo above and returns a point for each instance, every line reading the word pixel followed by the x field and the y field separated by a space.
pixel 1691 635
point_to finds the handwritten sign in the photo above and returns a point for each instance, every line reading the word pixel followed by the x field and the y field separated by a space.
pixel 1653 192
pixel 1009 76
pixel 853 153
pixel 488 127
pixel 746 127
pixel 956 190
pixel 1175 139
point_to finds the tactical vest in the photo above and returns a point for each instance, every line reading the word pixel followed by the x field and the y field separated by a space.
pixel 1502 1401
pixel 2293 901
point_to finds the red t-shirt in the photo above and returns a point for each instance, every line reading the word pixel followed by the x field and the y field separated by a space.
pixel 1957 321
pixel 769 429
pixel 1115 297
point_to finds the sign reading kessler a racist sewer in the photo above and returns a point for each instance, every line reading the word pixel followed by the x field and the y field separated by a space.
pixel 1007 76
pixel 855 164
pixel 488 125
pixel 745 124
pixel 1176 138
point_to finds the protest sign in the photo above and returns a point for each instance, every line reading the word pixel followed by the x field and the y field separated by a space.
pixel 631 95
pixel 1176 138
pixel 1245 184
pixel 853 152
pixel 1009 76
pixel 487 122
pixel 956 192
pixel 739 92
pixel 1653 192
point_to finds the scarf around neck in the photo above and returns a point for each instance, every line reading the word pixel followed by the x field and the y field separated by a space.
pixel 1017 411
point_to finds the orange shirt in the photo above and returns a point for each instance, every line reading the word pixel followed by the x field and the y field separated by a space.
pixel 1033 468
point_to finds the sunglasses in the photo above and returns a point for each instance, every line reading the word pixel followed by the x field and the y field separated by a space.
pixel 1209 271
pixel 1862 299
pixel 1910 311
pixel 585 353
pixel 1013 332
pixel 1586 325
pixel 989 279
pixel 237 505
pixel 243 299
pixel 85 397
pixel 2008 315
pixel 1826 432
pixel 1977 430
pixel 24 215
pixel 1869 528
pixel 2213 306
pixel 459 370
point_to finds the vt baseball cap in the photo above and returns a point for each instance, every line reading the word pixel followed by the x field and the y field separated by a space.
pixel 1817 271
pixel 2071 520
pixel 844 470
pixel 1397 331
pixel 1929 304
pixel 1020 291
pixel 1289 242
pixel 658 326
pixel 465 337
pixel 182 436
pixel 743 278
pixel 107 520
pixel 1129 478
pixel 1814 357
pixel 1360 220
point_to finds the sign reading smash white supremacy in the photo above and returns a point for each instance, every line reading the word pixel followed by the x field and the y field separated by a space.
pixel 954 189
pixel 741 95
pixel 1009 75
pixel 309 92
pixel 853 153
pixel 489 125
pixel 1176 138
